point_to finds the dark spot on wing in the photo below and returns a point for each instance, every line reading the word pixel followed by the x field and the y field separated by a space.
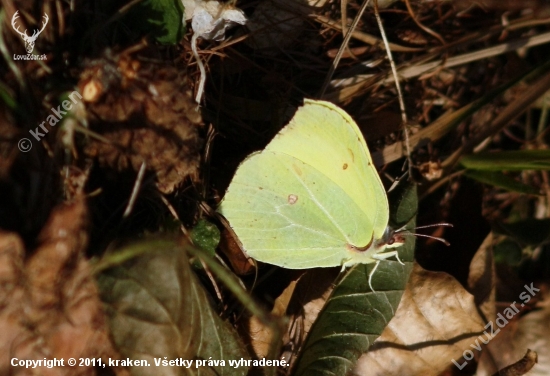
pixel 345 166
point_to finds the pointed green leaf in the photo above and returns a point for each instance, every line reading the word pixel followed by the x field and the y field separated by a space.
pixel 498 179
pixel 530 231
pixel 518 160
pixel 354 316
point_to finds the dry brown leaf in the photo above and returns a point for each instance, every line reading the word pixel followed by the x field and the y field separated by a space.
pixel 49 306
pixel 436 320
pixel 310 296
pixel 261 336
pixel 308 300
pixel 147 113
pixel 301 301
pixel 530 331
pixel 231 247
pixel 482 279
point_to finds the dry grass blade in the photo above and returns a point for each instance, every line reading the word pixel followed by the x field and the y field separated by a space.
pixel 485 53
pixel 511 112
pixel 364 37
pixel 347 88
pixel 398 87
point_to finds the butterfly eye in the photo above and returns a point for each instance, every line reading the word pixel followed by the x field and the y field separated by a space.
pixel 391 241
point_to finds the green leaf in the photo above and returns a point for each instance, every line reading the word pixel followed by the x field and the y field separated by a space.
pixel 161 19
pixel 508 252
pixel 498 179
pixel 157 308
pixel 354 316
pixel 519 160
pixel 530 231
pixel 206 236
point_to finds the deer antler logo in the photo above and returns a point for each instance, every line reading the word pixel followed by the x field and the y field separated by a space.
pixel 29 40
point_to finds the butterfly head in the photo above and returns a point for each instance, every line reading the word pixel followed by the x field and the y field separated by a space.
pixel 392 238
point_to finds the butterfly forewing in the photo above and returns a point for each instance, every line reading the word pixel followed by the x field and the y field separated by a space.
pixel 324 136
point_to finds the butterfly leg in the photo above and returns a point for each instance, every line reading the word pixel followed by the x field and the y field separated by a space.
pixel 398 259
pixel 372 273
pixel 344 266
pixel 379 257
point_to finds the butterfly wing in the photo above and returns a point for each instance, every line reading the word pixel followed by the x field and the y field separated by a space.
pixel 309 194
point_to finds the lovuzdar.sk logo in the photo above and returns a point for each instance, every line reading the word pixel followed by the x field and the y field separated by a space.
pixel 29 39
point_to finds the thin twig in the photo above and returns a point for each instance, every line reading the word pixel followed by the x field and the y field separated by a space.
pixel 188 237
pixel 420 25
pixel 397 86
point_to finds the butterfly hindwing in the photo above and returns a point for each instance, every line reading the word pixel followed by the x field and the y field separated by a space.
pixel 310 193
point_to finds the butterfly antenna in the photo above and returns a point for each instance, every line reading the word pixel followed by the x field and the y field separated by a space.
pixel 404 232
pixel 426 236
pixel 445 224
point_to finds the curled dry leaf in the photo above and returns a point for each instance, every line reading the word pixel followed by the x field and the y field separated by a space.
pixel 49 306
pixel 146 112
pixel 526 330
pixel 436 320
pixel 521 367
